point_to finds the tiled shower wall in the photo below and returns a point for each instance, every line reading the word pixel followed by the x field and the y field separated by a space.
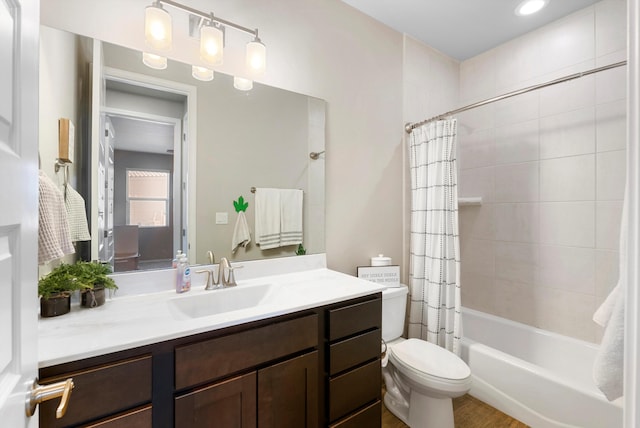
pixel 542 249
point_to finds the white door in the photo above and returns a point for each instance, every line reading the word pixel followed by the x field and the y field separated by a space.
pixel 19 29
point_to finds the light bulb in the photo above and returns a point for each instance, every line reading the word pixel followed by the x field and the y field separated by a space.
pixel 157 27
pixel 201 73
pixel 154 61
pixel 211 44
pixel 256 57
pixel 242 84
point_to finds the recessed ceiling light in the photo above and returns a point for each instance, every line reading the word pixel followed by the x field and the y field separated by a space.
pixel 528 7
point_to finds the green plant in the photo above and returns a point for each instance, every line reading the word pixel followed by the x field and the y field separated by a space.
pixel 89 275
pixel 301 251
pixel 59 281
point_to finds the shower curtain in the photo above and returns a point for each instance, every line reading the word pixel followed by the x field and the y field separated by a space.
pixel 434 265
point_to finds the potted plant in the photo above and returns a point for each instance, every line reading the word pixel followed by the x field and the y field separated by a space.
pixel 92 279
pixel 55 291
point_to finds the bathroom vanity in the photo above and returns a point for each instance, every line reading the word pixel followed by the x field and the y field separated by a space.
pixel 306 355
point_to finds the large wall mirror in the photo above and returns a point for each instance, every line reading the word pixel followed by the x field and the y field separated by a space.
pixel 171 153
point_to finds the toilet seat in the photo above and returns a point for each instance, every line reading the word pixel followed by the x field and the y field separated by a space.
pixel 431 366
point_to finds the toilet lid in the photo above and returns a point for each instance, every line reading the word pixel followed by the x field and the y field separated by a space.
pixel 430 359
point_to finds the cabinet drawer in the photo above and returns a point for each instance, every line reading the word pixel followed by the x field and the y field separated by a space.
pixel 370 417
pixel 354 389
pixel 353 351
pixel 355 318
pixel 212 359
pixel 101 391
pixel 140 418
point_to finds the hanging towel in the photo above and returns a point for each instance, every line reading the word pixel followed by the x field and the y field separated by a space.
pixel 76 215
pixel 267 218
pixel 241 234
pixel 608 366
pixel 290 217
pixel 54 240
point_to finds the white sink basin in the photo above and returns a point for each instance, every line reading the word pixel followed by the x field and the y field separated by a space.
pixel 214 302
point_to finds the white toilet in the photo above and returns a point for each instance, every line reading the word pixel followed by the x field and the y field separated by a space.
pixel 421 378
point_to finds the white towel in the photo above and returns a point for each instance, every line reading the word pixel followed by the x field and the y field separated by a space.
pixel 54 240
pixel 241 234
pixel 267 219
pixel 608 368
pixel 76 215
pixel 290 217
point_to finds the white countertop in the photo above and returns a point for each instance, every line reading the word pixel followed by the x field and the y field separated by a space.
pixel 129 321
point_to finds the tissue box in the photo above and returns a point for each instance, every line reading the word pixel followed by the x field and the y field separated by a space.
pixel 383 275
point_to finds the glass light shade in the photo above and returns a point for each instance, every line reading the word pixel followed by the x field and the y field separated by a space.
pixel 211 45
pixel 256 57
pixel 529 7
pixel 154 61
pixel 157 28
pixel 201 73
pixel 242 84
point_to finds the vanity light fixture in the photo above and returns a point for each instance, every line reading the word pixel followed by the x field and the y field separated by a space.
pixel 201 73
pixel 154 61
pixel 242 84
pixel 212 37
pixel 256 56
pixel 212 43
pixel 529 7
pixel 157 27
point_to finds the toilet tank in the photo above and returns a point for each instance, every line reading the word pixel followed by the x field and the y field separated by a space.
pixel 394 304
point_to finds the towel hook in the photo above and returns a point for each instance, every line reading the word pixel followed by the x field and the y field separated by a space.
pixel 315 155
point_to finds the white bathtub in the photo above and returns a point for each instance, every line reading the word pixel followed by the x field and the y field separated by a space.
pixel 540 378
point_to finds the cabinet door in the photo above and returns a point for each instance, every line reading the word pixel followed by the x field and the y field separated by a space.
pixel 140 418
pixel 288 393
pixel 228 404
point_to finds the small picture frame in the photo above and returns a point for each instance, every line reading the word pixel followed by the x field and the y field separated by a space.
pixel 383 275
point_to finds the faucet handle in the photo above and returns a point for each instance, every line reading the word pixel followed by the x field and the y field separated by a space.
pixel 231 281
pixel 211 257
pixel 211 283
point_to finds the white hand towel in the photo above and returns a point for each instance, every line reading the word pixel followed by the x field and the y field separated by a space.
pixel 608 367
pixel 54 240
pixel 76 215
pixel 241 234
pixel 290 217
pixel 267 227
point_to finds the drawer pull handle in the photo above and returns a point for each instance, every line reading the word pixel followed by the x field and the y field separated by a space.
pixel 40 393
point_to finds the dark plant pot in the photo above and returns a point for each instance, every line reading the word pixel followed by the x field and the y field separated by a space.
pixel 55 305
pixel 93 298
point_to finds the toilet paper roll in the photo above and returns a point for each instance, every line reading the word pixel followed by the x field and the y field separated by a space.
pixel 381 260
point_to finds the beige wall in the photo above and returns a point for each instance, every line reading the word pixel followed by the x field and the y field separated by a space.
pixel 321 48
pixel 550 167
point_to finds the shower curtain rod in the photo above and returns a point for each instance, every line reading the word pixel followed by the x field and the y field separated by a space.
pixel 411 126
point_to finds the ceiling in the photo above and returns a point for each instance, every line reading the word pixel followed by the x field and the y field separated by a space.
pixel 462 29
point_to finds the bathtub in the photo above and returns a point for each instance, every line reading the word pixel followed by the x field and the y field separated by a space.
pixel 540 378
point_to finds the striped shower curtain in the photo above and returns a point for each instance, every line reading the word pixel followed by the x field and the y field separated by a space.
pixel 434 266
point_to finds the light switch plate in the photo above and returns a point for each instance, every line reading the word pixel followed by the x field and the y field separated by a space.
pixel 222 218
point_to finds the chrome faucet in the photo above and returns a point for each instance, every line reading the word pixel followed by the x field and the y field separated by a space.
pixel 226 277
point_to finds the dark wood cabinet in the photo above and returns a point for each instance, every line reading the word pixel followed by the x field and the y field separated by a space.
pixel 227 404
pixel 101 391
pixel 315 368
pixel 353 360
pixel 137 418
pixel 288 393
